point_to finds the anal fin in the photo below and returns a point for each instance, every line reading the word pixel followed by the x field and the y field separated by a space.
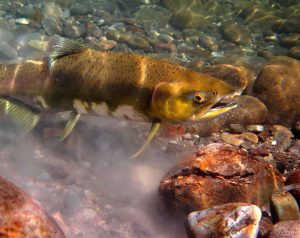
pixel 74 118
pixel 25 117
pixel 154 128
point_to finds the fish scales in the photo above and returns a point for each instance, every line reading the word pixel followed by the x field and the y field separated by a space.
pixel 74 77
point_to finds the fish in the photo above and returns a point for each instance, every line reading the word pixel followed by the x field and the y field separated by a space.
pixel 83 80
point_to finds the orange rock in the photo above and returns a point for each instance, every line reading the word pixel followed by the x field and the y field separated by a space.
pixel 219 174
pixel 22 217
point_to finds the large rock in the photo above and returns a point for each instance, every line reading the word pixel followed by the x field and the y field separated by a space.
pixel 218 174
pixel 277 86
pixel 21 216
pixel 286 229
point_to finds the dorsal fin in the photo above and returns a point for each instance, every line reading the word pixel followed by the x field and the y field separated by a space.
pixel 61 47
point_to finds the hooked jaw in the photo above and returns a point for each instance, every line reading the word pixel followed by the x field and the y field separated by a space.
pixel 222 105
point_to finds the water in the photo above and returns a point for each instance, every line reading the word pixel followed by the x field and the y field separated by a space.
pixel 89 180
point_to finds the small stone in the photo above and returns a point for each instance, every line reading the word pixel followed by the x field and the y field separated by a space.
pixel 79 9
pixel 285 206
pixel 73 30
pixel 51 25
pixel 285 229
pixel 187 18
pixel 282 136
pixel 135 41
pixel 236 33
pixel 233 219
pixel 106 44
pixel 236 128
pixel 250 137
pixel 255 128
pixel 232 139
pixel 290 40
pixel 295 52
pixel 7 52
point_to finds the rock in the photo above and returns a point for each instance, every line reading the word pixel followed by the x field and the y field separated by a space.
pixel 187 18
pixel 79 9
pixel 232 139
pixel 135 41
pixel 215 175
pixel 294 178
pixel 284 206
pixel 277 87
pixel 295 52
pixel 229 220
pixel 51 25
pixel 21 216
pixel 283 137
pixel 106 44
pixel 255 128
pixel 73 30
pixel 290 40
pixel 238 139
pixel 236 128
pixel 236 33
pixel 7 52
pixel 236 76
pixel 249 111
pixel 285 229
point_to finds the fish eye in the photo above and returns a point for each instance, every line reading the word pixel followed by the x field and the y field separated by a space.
pixel 198 97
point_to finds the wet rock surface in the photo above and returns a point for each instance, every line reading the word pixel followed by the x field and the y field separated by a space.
pixel 228 220
pixel 285 229
pixel 21 216
pixel 218 174
pixel 277 86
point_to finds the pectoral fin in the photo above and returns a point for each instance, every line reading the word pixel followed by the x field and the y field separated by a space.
pixel 25 117
pixel 74 118
pixel 154 128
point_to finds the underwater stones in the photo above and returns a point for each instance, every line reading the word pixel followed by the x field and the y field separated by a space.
pixel 285 229
pixel 7 52
pixel 187 18
pixel 290 40
pixel 229 220
pixel 79 9
pixel 277 86
pixel 135 41
pixel 236 33
pixel 21 216
pixel 295 52
pixel 51 25
pixel 106 44
pixel 284 206
pixel 215 175
pixel 249 111
pixel 294 178
pixel 236 76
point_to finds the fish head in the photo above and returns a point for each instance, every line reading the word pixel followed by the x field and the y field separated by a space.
pixel 192 98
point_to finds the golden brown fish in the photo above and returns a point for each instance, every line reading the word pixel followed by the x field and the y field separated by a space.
pixel 125 85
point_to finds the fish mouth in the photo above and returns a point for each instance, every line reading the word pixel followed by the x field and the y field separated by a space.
pixel 222 106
